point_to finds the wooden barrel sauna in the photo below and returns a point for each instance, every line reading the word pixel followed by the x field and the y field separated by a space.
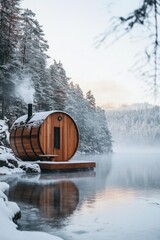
pixel 49 135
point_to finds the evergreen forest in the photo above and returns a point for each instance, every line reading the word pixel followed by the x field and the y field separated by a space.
pixel 136 125
pixel 26 77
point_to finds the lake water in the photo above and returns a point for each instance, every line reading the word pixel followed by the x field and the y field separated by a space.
pixel 119 200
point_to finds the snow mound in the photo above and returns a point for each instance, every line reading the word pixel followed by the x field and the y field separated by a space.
pixel 9 164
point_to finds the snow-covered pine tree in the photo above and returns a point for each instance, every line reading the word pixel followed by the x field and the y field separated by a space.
pixel 136 125
pixel 59 84
pixel 76 106
pixel 9 30
pixel 99 137
pixel 91 99
pixel 32 45
pixel 32 52
pixel 31 62
pixel 91 121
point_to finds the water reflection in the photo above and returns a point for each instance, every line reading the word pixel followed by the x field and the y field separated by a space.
pixel 136 171
pixel 57 199
pixel 121 201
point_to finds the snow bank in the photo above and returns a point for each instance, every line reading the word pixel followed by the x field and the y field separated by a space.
pixel 3 126
pixel 9 164
pixel 4 133
pixel 8 229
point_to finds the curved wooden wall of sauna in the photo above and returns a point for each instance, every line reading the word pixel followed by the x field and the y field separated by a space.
pixel 30 141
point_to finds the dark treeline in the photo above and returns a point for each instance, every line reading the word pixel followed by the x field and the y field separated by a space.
pixel 24 74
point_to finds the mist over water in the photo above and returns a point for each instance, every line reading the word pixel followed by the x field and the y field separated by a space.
pixel 138 143
pixel 135 128
pixel 120 200
pixel 124 147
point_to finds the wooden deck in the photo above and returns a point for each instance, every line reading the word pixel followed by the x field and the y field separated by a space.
pixel 66 166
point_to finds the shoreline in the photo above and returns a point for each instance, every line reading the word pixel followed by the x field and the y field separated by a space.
pixel 10 213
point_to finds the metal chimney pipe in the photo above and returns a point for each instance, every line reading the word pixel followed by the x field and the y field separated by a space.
pixel 29 111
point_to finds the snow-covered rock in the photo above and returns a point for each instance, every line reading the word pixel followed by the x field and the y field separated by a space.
pixel 10 164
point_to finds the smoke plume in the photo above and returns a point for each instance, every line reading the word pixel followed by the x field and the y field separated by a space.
pixel 25 90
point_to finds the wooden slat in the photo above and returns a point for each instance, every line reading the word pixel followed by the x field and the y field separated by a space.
pixel 26 138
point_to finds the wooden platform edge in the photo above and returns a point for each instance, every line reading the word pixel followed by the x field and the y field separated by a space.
pixel 66 166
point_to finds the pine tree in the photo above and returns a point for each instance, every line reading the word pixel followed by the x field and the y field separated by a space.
pixel 59 85
pixel 32 45
pixel 91 99
pixel 32 51
pixel 30 59
pixel 9 29
pixel 91 121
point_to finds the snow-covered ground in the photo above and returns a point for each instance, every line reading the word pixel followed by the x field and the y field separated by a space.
pixel 9 164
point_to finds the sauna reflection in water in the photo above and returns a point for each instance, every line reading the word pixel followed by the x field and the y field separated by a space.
pixel 120 201
pixel 57 199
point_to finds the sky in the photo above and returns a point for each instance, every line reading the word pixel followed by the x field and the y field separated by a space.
pixel 72 28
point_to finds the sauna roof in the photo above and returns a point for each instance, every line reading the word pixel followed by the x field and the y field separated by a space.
pixel 36 117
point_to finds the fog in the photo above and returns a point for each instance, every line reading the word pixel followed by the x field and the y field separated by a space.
pixel 123 147
pixel 131 145
pixel 135 129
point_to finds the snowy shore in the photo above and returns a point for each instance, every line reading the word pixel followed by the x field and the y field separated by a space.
pixel 8 228
pixel 10 210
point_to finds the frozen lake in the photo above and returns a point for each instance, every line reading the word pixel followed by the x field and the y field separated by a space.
pixel 119 200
